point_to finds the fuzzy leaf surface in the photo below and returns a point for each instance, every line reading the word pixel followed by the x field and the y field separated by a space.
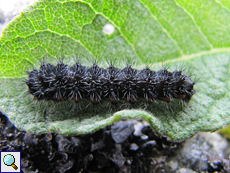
pixel 193 33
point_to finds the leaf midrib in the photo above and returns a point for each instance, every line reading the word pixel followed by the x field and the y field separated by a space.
pixel 179 59
pixel 183 57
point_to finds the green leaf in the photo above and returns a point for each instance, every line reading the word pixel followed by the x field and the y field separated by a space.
pixel 192 33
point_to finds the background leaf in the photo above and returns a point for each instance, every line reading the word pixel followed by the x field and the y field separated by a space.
pixel 191 33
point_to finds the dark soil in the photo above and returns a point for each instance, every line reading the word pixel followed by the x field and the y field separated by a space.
pixel 126 146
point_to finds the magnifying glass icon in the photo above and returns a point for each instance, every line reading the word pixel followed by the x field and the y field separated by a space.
pixel 9 160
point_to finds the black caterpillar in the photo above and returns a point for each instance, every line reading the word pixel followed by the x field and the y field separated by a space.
pixel 78 82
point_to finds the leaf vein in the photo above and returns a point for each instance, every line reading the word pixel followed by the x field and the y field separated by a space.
pixel 164 29
pixel 222 5
pixel 198 27
pixel 118 28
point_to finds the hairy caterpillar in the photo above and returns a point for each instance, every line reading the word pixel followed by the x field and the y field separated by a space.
pixel 78 82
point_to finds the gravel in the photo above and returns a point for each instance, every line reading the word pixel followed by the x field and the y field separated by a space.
pixel 115 148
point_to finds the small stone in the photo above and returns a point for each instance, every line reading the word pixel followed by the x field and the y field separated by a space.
pixel 118 157
pixel 30 139
pixel 173 165
pixel 149 144
pixel 185 170
pixel 144 137
pixel 134 147
pixel 138 128
pixel 121 130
